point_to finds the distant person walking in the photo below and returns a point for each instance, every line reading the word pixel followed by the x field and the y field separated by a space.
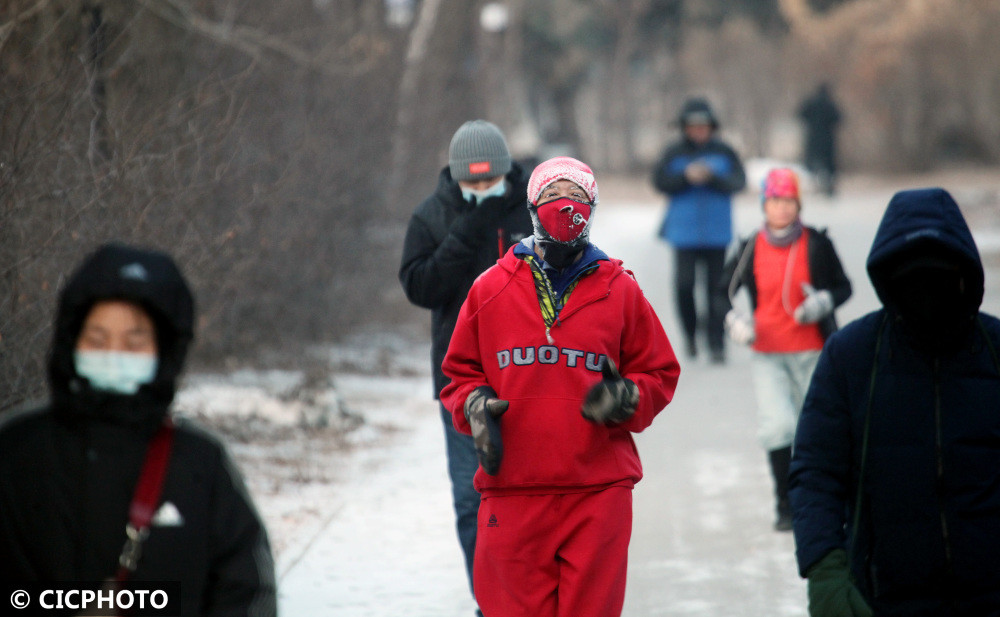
pixel 556 360
pixel 794 279
pixel 476 213
pixel 821 117
pixel 103 484
pixel 895 478
pixel 699 174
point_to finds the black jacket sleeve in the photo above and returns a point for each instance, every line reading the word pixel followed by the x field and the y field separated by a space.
pixel 665 180
pixel 734 273
pixel 432 270
pixel 828 271
pixel 735 180
pixel 820 474
pixel 241 573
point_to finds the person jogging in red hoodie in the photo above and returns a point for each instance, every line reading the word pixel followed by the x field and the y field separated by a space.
pixel 557 358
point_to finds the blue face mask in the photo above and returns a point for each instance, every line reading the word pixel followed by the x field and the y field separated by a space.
pixel 116 371
pixel 497 190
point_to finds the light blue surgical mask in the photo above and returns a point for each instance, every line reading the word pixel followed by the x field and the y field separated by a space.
pixel 497 190
pixel 116 371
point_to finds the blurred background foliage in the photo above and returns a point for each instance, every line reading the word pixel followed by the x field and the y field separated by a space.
pixel 278 148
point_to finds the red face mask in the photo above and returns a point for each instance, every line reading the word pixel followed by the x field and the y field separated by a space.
pixel 563 218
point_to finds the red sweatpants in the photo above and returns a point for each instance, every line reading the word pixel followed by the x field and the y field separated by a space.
pixel 553 555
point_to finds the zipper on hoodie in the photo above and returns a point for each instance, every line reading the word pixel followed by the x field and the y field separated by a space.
pixel 939 451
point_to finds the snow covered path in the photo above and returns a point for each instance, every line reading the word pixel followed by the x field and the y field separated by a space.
pixel 702 541
pixel 388 547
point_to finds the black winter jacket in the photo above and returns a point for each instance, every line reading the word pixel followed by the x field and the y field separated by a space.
pixel 449 243
pixel 825 271
pixel 926 538
pixel 69 469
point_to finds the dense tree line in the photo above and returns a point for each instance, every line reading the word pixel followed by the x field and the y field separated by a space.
pixel 278 148
pixel 245 138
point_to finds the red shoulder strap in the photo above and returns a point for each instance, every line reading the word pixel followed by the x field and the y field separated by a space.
pixel 146 497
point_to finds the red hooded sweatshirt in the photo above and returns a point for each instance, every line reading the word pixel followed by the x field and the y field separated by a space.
pixel 500 342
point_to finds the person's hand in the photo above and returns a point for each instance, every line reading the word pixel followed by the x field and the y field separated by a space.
pixel 816 306
pixel 483 410
pixel 479 223
pixel 697 172
pixel 613 399
pixel 491 206
pixel 740 327
pixel 830 590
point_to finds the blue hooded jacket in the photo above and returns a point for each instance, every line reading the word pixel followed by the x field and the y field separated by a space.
pixel 918 430
pixel 698 216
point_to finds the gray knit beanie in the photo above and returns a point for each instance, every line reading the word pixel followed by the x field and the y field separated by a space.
pixel 478 151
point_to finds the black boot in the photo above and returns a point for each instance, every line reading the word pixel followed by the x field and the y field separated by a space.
pixel 692 349
pixel 781 459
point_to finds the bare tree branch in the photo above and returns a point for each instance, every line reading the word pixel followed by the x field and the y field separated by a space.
pixel 253 42
pixel 7 28
pixel 405 114
pixel 796 12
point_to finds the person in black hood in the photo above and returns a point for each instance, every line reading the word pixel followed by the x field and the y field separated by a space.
pixel 821 117
pixel 895 474
pixel 72 471
pixel 476 214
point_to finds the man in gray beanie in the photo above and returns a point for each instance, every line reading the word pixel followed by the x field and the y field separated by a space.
pixel 476 214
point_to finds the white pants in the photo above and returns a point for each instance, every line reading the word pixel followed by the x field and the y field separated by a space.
pixel 780 382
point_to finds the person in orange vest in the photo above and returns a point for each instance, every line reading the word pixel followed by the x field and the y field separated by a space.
pixel 794 280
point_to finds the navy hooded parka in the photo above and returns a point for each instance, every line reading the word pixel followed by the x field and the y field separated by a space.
pixel 923 531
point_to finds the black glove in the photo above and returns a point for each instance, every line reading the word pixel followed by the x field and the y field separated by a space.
pixel 613 399
pixel 831 592
pixel 483 410
pixel 480 223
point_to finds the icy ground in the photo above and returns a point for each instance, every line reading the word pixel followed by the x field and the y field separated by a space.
pixel 347 465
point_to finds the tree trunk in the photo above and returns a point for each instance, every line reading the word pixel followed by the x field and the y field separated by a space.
pixel 406 97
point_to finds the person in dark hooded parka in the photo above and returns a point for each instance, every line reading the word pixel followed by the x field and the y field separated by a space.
pixel 69 470
pixel 895 476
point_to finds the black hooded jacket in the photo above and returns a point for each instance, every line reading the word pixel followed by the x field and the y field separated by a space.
pixel 449 243
pixel 821 117
pixel 897 452
pixel 69 469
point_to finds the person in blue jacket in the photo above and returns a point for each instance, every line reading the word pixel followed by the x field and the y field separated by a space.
pixel 895 474
pixel 699 174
